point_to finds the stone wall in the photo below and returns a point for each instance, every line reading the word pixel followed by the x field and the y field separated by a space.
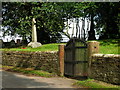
pixel 47 61
pixel 105 67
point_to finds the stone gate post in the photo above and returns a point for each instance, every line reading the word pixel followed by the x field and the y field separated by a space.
pixel 93 47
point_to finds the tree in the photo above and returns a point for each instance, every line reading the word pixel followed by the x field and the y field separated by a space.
pixel 19 17
pixel 103 16
pixel 107 17
pixel 88 11
pixel 51 17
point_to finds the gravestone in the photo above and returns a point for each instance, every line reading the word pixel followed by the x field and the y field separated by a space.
pixel 24 42
pixel 34 42
pixel 1 43
pixel 12 43
pixel 18 42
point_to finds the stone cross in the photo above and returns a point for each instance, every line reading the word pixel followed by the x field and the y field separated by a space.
pixel 34 43
pixel 34 32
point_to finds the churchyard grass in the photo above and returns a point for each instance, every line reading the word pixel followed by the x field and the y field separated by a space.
pixel 45 47
pixel 108 46
pixel 91 83
pixel 110 49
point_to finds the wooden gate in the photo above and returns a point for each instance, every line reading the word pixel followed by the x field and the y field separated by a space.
pixel 75 62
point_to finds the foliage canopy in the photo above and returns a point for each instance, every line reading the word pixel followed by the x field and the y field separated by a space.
pixel 50 17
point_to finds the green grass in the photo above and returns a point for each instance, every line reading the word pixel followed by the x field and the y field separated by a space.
pixel 91 83
pixel 45 47
pixel 110 49
pixel 108 46
pixel 28 71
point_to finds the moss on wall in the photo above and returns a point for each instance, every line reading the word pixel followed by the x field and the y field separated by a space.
pixel 47 61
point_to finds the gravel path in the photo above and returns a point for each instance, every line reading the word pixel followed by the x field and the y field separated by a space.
pixel 15 80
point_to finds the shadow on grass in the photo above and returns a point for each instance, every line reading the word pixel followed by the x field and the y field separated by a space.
pixel 109 42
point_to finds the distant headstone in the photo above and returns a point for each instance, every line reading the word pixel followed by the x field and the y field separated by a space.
pixel 34 42
pixel 18 42
pixel 12 43
pixel 24 42
pixel 1 43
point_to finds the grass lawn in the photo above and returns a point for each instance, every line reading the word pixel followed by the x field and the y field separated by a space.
pixel 108 46
pixel 91 83
pixel 45 47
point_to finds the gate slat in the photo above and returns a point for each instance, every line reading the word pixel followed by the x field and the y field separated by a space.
pixel 76 63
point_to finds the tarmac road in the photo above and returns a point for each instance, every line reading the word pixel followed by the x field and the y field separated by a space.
pixel 15 80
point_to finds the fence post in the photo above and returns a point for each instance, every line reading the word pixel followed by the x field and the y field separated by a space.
pixel 61 59
pixel 93 47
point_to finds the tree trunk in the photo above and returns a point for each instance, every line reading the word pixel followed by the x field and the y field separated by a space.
pixel 91 33
pixel 73 28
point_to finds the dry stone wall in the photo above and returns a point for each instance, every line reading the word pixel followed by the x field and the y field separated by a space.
pixel 47 61
pixel 105 67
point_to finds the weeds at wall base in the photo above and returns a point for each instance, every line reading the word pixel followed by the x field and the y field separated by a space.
pixel 28 71
pixel 91 83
